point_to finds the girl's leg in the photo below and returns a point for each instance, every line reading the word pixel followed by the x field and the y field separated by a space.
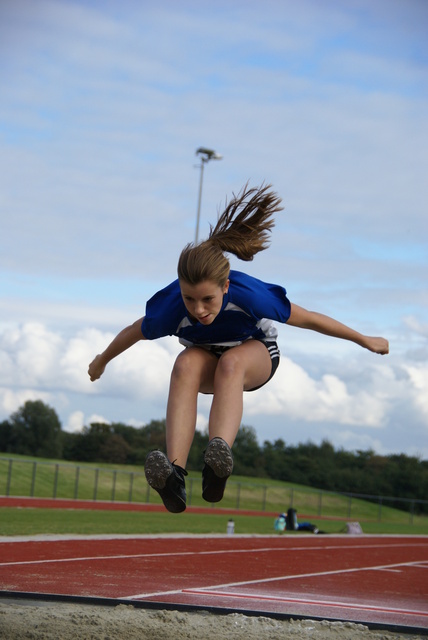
pixel 193 371
pixel 244 367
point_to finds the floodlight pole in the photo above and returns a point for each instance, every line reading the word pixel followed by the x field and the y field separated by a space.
pixel 205 155
pixel 198 215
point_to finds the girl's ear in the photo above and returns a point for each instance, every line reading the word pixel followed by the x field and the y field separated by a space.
pixel 226 287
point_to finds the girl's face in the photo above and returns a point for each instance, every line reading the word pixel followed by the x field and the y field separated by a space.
pixel 204 300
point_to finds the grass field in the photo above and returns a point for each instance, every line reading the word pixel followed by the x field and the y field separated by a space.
pixel 57 479
pixel 15 522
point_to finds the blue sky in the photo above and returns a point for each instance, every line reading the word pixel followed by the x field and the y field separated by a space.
pixel 103 107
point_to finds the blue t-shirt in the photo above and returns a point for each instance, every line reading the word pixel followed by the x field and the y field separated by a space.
pixel 248 309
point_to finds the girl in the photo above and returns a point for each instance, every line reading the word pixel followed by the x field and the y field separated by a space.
pixel 224 320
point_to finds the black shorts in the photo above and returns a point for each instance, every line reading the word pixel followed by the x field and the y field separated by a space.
pixel 270 345
pixel 275 355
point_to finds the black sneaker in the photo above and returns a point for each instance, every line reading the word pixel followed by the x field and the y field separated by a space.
pixel 167 479
pixel 218 467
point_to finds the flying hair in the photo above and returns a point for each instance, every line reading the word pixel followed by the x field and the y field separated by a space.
pixel 242 229
pixel 244 226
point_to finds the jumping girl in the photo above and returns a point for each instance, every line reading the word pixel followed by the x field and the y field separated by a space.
pixel 224 319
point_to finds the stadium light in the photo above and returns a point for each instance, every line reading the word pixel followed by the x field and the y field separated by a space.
pixel 205 155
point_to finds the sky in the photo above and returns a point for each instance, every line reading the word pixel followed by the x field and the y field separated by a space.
pixel 103 106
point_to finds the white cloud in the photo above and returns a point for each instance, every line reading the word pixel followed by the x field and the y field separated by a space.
pixel 11 399
pixel 37 357
pixel 355 397
pixel 76 422
pixel 416 326
pixel 354 441
pixel 202 422
pixel 293 393
pixel 29 355
pixel 419 387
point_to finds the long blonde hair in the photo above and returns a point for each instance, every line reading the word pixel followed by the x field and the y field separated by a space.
pixel 242 229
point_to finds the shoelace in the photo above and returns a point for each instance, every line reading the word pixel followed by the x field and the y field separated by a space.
pixel 179 469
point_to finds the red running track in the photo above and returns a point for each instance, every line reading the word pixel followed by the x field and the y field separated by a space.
pixel 376 580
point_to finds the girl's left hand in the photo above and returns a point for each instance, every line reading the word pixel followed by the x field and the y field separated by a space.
pixel 377 345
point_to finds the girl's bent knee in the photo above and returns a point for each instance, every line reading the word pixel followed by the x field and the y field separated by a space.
pixel 183 365
pixel 189 363
pixel 229 364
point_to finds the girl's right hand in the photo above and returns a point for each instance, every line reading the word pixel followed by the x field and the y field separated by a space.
pixel 96 368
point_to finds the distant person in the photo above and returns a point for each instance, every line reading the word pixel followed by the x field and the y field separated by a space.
pixel 292 524
pixel 288 522
pixel 280 523
pixel 224 319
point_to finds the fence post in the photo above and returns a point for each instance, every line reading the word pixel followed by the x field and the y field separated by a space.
pixel 113 489
pixel 56 480
pixel 9 477
pixel 33 479
pixel 96 483
pixel 189 497
pixel 320 503
pixel 291 496
pixel 238 496
pixel 131 484
pixel 264 500
pixel 350 506
pixel 76 483
pixel 379 517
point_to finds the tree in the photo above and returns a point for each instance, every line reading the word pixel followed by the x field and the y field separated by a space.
pixel 275 459
pixel 116 442
pixel 115 449
pixel 247 454
pixel 36 431
pixel 86 446
pixel 195 461
pixel 5 434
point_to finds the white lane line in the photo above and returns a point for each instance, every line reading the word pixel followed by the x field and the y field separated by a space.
pixel 202 553
pixel 93 558
pixel 245 583
pixel 324 603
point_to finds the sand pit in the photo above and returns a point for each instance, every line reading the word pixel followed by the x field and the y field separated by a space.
pixel 59 621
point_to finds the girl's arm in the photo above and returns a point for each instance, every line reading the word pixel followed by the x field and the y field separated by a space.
pixel 304 319
pixel 125 339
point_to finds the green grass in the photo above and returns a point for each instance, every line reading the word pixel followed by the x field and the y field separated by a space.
pixel 15 522
pixel 47 479
pixel 33 521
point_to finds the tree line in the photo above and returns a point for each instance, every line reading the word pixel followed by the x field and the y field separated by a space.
pixel 35 430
